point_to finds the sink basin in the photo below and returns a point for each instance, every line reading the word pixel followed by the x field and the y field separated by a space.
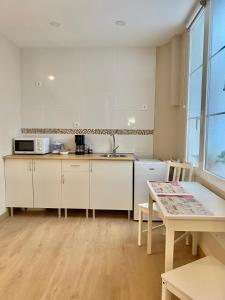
pixel 112 155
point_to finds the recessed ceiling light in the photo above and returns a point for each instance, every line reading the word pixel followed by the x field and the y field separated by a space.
pixel 120 23
pixel 51 77
pixel 54 24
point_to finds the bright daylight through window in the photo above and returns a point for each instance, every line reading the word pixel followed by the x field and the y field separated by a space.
pixel 215 116
pixel 214 148
pixel 195 88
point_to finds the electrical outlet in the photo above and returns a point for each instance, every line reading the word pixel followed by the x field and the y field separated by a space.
pixel 76 124
pixel 38 84
pixel 144 107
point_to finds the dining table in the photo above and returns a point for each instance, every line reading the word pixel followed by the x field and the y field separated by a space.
pixel 209 216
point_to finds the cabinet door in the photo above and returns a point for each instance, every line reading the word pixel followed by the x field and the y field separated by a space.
pixel 111 185
pixel 47 183
pixel 19 187
pixel 75 184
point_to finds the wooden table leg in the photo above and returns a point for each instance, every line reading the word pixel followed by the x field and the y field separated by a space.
pixel 149 236
pixel 166 295
pixel 140 222
pixel 169 251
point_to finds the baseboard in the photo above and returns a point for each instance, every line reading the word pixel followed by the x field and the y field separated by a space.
pixel 4 216
pixel 201 253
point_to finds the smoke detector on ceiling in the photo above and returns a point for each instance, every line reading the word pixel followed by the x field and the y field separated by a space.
pixel 54 24
pixel 120 23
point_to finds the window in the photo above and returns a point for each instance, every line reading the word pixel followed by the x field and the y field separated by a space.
pixel 211 108
pixel 196 42
pixel 215 108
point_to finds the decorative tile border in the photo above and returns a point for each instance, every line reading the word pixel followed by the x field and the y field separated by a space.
pixel 87 131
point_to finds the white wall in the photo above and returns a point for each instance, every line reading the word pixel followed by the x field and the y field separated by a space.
pixel 98 87
pixel 166 115
pixel 169 131
pixel 9 104
pixel 212 243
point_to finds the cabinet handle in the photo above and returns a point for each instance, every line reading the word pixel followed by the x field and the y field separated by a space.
pixel 90 166
pixel 63 179
pixel 30 166
pixel 75 165
pixel 34 165
pixel 151 169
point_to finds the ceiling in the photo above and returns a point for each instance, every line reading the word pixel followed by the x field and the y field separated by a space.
pixel 91 22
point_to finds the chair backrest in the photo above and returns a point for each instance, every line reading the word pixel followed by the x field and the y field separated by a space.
pixel 179 171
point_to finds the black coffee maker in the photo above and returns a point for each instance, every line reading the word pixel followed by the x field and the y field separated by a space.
pixel 80 144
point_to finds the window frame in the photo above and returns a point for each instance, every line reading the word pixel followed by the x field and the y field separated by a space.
pixel 201 169
pixel 204 10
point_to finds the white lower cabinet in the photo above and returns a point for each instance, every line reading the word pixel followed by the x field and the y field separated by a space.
pixel 82 184
pixel 75 184
pixel 47 183
pixel 18 183
pixel 111 185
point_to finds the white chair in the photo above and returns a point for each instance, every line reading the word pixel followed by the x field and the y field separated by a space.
pixel 177 172
pixel 203 279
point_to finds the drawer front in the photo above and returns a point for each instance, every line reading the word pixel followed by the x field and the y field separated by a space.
pixel 151 171
pixel 75 165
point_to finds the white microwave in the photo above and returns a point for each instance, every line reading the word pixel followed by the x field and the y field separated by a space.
pixel 31 145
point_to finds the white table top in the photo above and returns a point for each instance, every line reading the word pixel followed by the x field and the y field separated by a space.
pixel 203 279
pixel 208 199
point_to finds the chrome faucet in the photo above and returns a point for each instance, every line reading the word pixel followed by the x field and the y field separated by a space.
pixel 114 147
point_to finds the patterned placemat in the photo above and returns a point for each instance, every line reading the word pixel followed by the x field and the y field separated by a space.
pixel 168 188
pixel 184 205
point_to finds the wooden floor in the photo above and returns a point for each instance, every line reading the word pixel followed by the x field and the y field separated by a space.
pixel 43 257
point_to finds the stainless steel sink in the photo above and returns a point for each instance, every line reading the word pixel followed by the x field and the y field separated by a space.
pixel 113 155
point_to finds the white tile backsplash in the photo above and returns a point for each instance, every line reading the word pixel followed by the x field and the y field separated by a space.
pixel 140 144
pixel 97 87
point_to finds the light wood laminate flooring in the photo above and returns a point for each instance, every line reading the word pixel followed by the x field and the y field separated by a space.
pixel 43 257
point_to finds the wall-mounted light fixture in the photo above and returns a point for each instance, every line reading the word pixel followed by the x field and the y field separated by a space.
pixel 120 23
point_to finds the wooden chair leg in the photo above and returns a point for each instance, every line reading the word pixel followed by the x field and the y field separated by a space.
pixel 194 243
pixel 187 240
pixel 157 227
pixel 140 222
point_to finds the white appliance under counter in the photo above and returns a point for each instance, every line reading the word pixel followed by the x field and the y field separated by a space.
pixel 146 169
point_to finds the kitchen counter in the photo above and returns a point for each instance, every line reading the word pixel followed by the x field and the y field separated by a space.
pixel 128 157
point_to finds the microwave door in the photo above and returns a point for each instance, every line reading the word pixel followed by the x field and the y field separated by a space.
pixel 24 146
